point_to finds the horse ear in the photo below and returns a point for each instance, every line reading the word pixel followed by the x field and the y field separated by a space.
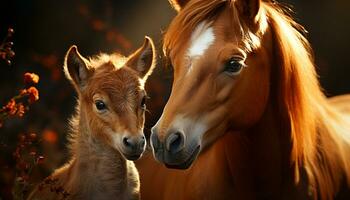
pixel 144 59
pixel 75 67
pixel 178 4
pixel 248 8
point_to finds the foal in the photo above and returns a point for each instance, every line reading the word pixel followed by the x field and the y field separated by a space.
pixel 107 130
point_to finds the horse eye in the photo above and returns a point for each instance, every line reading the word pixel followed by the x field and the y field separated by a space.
pixel 233 66
pixel 100 105
pixel 143 103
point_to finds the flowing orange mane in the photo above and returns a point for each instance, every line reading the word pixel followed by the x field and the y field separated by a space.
pixel 319 134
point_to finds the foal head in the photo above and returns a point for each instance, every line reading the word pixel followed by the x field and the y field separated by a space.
pixel 221 55
pixel 112 97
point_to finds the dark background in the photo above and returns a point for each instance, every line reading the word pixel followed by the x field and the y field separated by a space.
pixel 45 29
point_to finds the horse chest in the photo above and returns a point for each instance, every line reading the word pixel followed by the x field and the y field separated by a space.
pixel 206 183
pixel 212 182
pixel 209 178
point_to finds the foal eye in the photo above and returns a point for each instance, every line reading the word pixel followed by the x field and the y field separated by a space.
pixel 143 103
pixel 233 66
pixel 100 105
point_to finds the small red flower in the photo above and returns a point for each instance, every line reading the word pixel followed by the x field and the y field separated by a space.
pixel 20 110
pixel 23 92
pixel 31 78
pixel 11 107
pixel 33 94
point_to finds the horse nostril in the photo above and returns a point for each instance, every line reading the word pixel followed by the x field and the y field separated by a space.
pixel 175 142
pixel 127 142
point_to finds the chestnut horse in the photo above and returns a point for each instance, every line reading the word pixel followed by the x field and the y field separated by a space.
pixel 107 130
pixel 246 118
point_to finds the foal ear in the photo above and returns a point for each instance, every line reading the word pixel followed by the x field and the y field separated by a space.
pixel 144 59
pixel 178 4
pixel 248 8
pixel 75 67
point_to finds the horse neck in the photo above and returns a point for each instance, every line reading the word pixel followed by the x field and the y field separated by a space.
pixel 321 173
pixel 271 148
pixel 94 162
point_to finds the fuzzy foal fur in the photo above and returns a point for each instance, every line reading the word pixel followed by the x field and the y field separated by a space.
pixel 99 167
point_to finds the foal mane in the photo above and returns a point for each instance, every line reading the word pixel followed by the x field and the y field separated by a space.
pixel 319 134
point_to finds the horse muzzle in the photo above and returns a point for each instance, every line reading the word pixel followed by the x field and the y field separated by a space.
pixel 173 151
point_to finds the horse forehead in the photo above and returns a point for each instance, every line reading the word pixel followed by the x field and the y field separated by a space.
pixel 202 38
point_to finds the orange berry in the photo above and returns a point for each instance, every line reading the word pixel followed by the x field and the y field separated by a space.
pixel 20 110
pixel 31 78
pixel 33 94
pixel 11 107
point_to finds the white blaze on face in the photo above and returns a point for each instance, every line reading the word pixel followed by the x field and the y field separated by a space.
pixel 201 39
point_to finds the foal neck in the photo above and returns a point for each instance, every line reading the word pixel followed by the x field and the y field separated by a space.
pixel 86 144
pixel 96 167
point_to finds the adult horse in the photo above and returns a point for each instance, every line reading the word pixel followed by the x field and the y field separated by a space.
pixel 246 118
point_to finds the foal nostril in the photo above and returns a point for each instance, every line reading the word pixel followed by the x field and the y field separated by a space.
pixel 133 144
pixel 127 142
pixel 142 142
pixel 175 142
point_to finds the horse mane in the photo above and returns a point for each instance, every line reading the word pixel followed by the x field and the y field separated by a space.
pixel 318 133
